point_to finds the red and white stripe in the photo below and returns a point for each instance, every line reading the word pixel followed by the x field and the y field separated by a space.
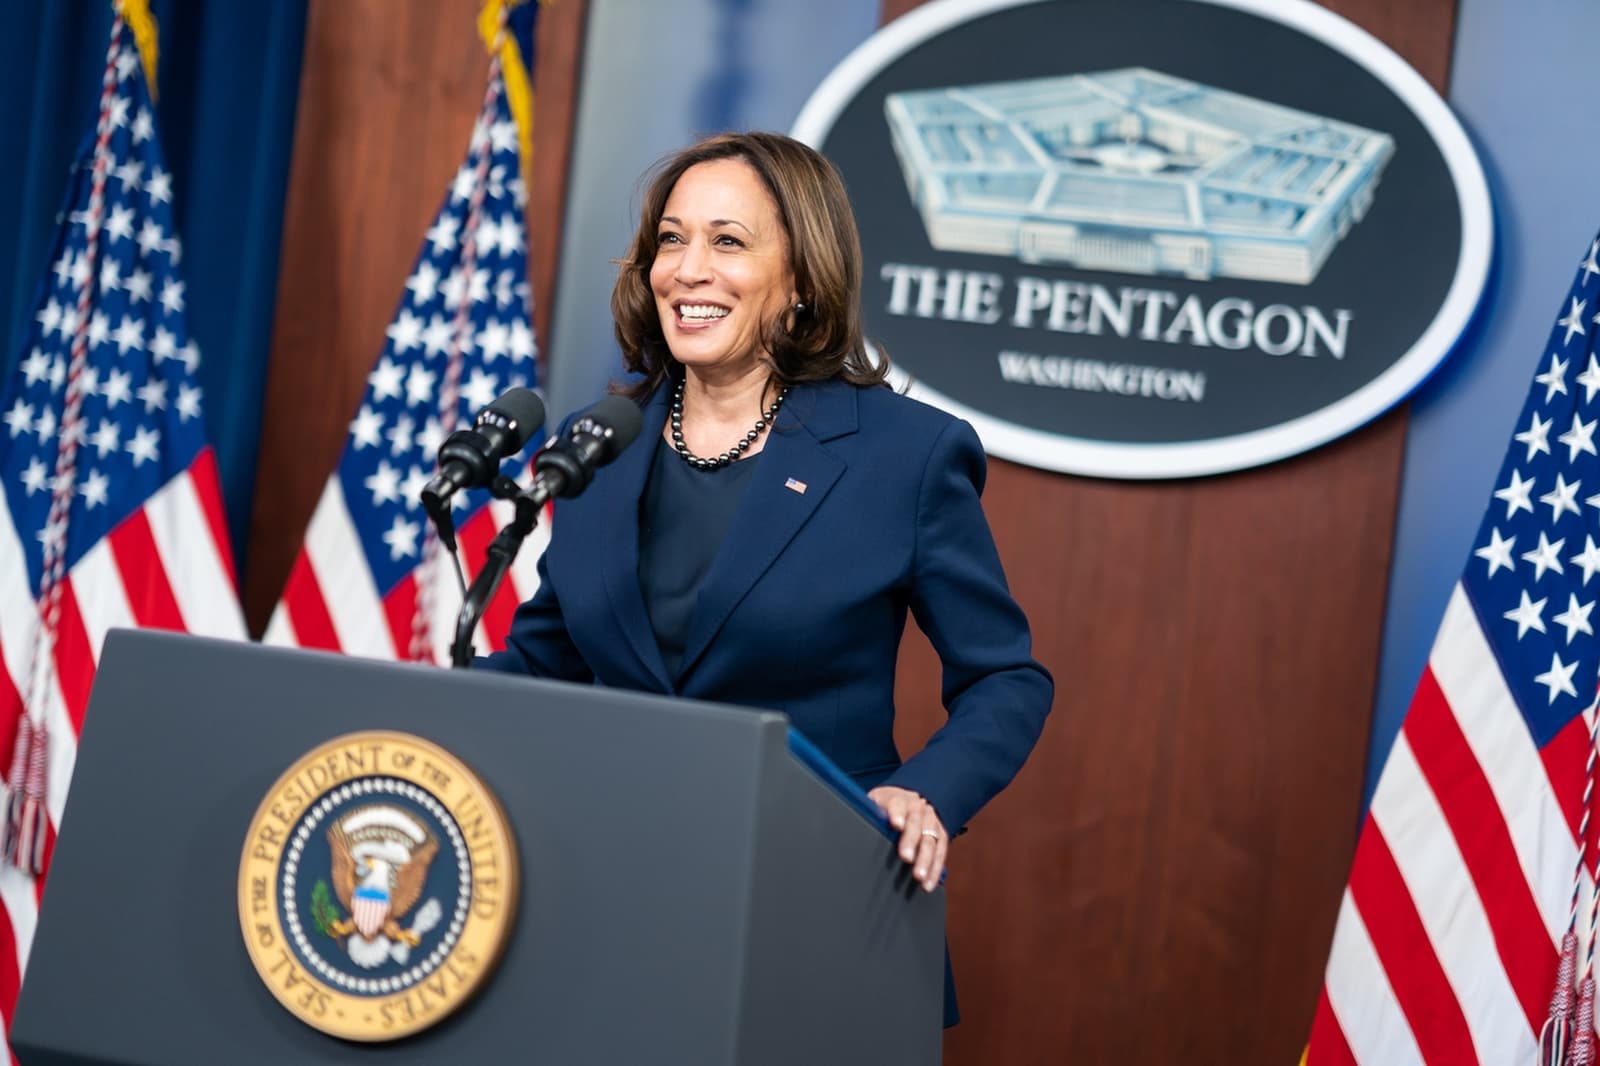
pixel 330 601
pixel 1449 933
pixel 167 566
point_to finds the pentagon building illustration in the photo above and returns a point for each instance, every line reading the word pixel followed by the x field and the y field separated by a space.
pixel 1133 170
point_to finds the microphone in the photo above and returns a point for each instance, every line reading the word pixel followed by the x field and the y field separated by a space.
pixel 563 467
pixel 566 465
pixel 470 458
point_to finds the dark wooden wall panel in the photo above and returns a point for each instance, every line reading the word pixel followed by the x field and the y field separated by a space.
pixel 388 95
pixel 1161 882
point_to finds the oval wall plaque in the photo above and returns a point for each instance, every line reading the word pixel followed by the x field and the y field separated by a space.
pixel 1157 239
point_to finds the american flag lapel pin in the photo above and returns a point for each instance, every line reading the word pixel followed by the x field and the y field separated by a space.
pixel 795 485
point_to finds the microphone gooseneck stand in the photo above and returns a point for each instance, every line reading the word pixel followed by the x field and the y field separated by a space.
pixel 564 467
pixel 497 562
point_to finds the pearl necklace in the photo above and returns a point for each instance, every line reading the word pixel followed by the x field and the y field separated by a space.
pixel 733 453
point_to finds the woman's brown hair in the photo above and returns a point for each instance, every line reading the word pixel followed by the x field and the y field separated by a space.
pixel 822 341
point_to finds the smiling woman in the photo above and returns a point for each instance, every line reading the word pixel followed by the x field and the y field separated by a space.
pixel 766 550
pixel 794 206
pixel 721 269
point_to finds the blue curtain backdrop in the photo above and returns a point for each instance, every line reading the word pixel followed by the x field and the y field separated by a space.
pixel 228 79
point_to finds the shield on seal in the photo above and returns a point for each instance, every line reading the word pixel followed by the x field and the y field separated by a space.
pixel 370 910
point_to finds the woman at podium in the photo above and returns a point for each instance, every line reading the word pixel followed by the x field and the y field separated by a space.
pixel 783 509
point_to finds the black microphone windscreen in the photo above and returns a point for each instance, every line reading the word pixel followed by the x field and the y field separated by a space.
pixel 524 410
pixel 621 416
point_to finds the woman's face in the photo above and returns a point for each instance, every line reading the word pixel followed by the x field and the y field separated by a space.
pixel 721 273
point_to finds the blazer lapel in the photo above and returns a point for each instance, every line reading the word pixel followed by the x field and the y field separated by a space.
pixel 794 474
pixel 620 489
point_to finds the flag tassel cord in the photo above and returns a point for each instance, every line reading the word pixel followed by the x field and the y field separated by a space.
pixel 24 826
pixel 422 649
pixel 1566 1040
pixel 492 23
pixel 26 817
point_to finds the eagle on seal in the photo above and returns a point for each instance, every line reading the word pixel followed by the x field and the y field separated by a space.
pixel 380 865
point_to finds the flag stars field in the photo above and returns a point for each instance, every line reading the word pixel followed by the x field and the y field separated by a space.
pixel 107 438
pixel 1497 552
pixel 152 240
pixel 419 385
pixel 1572 323
pixel 1545 557
pixel 96 488
pixel 137 286
pixel 20 418
pixel 365 428
pixel 386 380
pixel 1529 614
pixel 45 425
pixel 401 537
pixel 423 284
pixel 432 436
pixel 384 483
pixel 188 405
pixel 443 238
pixel 1580 438
pixel 172 295
pixel 405 332
pixel 1587 560
pixel 411 488
pixel 1562 498
pixel 436 338
pixel 400 435
pixel 1575 619
pixel 1536 437
pixel 1554 379
pixel 482 389
pixel 1558 679
pixel 1518 494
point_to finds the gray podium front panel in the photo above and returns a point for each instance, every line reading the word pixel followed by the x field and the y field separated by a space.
pixel 690 895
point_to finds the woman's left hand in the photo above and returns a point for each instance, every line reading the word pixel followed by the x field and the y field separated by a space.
pixel 924 843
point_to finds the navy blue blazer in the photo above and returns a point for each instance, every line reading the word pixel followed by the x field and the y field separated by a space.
pixel 863 504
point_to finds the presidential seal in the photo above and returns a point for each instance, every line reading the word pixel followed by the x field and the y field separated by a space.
pixel 377 886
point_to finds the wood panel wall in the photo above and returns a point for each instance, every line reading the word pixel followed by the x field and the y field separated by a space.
pixel 1161 882
pixel 388 95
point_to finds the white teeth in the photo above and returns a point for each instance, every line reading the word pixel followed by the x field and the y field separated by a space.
pixel 702 311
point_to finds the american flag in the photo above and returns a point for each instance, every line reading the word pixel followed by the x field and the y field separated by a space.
pixel 1467 874
pixel 371 578
pixel 112 511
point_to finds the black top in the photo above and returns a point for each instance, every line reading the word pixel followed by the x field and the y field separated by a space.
pixel 683 518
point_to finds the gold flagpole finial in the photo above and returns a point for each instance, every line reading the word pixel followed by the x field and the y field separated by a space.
pixel 514 69
pixel 136 13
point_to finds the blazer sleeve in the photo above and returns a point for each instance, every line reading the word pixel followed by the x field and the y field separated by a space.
pixel 537 642
pixel 996 694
